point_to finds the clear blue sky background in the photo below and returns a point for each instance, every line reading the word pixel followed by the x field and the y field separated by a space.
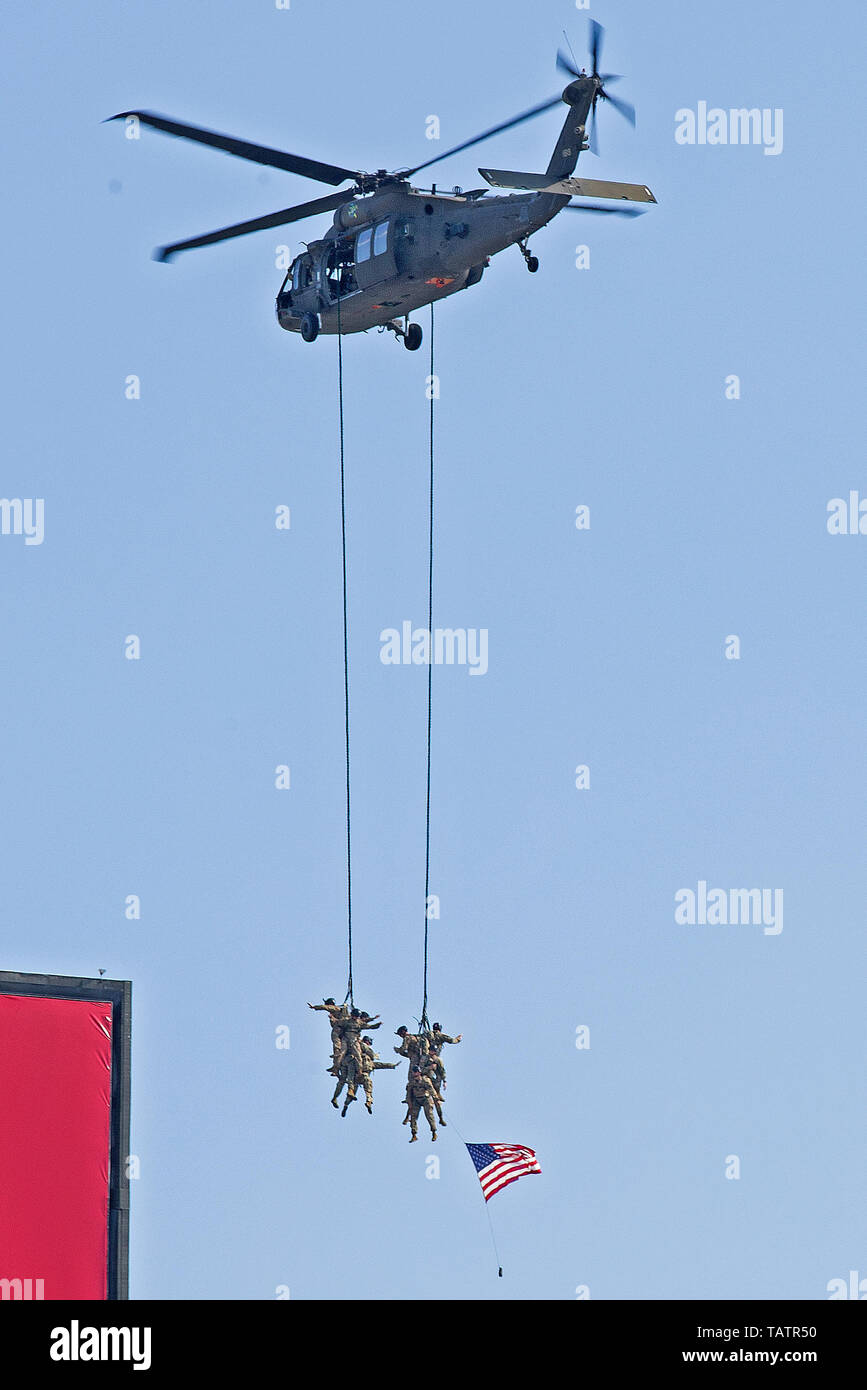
pixel 708 517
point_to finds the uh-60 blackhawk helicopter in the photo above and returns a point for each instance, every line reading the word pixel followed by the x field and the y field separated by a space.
pixel 393 248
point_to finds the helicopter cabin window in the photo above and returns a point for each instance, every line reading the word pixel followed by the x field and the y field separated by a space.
pixel 380 238
pixel 339 266
pixel 362 245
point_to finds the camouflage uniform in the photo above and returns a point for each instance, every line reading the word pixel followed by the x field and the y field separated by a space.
pixel 347 1076
pixel 421 1096
pixel 352 1030
pixel 338 1014
pixel 436 1040
pixel 431 1073
pixel 413 1046
pixel 369 1064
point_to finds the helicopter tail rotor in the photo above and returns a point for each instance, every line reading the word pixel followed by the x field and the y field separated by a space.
pixel 602 79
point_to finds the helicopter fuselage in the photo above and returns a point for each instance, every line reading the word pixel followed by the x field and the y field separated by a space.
pixel 400 248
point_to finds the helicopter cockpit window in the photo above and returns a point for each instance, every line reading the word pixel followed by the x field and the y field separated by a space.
pixel 362 245
pixel 380 238
pixel 302 273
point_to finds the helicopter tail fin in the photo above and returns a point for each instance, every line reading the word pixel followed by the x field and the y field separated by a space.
pixel 579 98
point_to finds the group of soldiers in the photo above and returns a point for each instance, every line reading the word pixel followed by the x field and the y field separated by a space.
pixel 353 1062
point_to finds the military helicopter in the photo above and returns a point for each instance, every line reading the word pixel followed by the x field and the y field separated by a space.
pixel 393 248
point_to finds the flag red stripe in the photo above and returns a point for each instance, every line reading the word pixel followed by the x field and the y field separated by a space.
pixel 495 1178
pixel 500 1175
pixel 492 1172
pixel 509 1163
pixel 505 1183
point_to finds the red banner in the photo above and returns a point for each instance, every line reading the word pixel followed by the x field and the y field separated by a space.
pixel 55 1107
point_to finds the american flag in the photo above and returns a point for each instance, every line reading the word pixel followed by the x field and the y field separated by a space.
pixel 499 1164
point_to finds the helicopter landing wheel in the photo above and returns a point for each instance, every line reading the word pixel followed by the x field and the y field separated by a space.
pixel 309 328
pixel 532 261
pixel 412 337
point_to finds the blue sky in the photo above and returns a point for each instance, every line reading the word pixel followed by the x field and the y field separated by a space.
pixel 603 387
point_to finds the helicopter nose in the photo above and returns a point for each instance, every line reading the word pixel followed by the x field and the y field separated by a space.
pixel 285 316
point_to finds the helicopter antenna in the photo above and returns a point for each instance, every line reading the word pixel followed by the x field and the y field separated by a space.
pixel 571 49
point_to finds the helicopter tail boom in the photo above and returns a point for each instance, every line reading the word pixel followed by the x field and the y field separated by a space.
pixel 579 96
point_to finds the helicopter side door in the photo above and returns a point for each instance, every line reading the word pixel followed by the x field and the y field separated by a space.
pixel 374 253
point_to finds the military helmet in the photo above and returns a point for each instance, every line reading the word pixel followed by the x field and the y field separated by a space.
pixel 437 1027
pixel 355 1013
pixel 329 1000
pixel 401 1029
pixel 368 1040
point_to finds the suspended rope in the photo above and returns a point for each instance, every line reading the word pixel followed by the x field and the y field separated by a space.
pixel 431 393
pixel 487 1212
pixel 345 656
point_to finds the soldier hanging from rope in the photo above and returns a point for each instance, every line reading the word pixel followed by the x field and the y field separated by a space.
pixel 337 1013
pixel 348 1076
pixel 369 1064
pixel 352 1029
pixel 420 1095
pixel 429 1070
pixel 412 1045
pixel 346 1025
pixel 436 1039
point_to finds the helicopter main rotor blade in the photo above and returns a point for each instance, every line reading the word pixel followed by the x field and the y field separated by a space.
pixel 495 130
pixel 257 224
pixel 259 154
